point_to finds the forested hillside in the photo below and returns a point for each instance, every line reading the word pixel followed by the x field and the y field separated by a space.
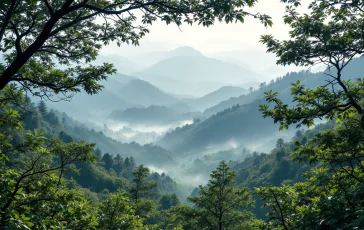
pixel 287 155
pixel 152 115
pixel 213 98
pixel 120 92
pixel 239 118
pixel 283 85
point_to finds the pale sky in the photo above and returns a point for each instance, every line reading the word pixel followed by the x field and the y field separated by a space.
pixel 217 38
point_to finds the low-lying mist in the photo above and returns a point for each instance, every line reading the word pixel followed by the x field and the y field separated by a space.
pixel 140 133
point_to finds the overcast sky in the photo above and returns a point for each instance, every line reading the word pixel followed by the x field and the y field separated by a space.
pixel 217 38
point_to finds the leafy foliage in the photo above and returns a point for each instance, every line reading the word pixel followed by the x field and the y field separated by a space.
pixel 331 195
pixel 219 201
pixel 70 32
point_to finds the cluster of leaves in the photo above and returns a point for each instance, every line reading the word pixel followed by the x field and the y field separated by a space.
pixel 36 42
pixel 46 178
pixel 31 175
pixel 331 196
pixel 218 205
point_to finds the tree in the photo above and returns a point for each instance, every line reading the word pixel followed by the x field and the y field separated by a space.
pixel 42 108
pixel 116 213
pixel 251 89
pixel 45 161
pixel 168 201
pixel 330 34
pixel 98 154
pixel 314 40
pixel 180 217
pixel 65 137
pixel 280 143
pixel 108 160
pixel 52 118
pixel 35 35
pixel 298 135
pixel 132 163
pixel 118 163
pixel 127 162
pixel 140 192
pixel 262 85
pixel 220 201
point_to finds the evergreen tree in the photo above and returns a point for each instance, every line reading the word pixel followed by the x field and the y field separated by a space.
pixel 42 108
pixel 140 192
pixel 251 89
pixel 132 162
pixel 108 160
pixel 98 154
pixel 65 137
pixel 118 163
pixel 116 213
pixel 52 118
pixel 331 197
pixel 280 143
pixel 221 203
pixel 127 162
pixel 168 201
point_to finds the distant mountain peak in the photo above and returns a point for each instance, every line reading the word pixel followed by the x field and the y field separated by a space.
pixel 185 51
pixel 226 87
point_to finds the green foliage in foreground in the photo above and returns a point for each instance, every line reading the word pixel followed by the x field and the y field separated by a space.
pixel 331 196
pixel 50 181
pixel 36 166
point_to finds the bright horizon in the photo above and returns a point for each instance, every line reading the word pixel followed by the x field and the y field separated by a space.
pixel 220 39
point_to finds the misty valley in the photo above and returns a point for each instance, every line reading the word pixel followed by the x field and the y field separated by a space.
pixel 181 115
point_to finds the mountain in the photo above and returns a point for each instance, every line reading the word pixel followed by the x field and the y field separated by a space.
pixel 121 64
pixel 259 60
pixel 144 93
pixel 151 115
pixel 88 107
pixel 119 93
pixel 234 61
pixel 200 69
pixel 144 154
pixel 283 86
pixel 239 119
pixel 186 51
pixel 151 58
pixel 138 91
pixel 241 124
pixel 196 75
pixel 215 97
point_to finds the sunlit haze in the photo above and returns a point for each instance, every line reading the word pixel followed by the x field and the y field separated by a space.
pixel 240 41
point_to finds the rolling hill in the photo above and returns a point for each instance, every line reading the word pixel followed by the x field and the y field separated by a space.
pixel 120 92
pixel 239 120
pixel 151 115
pixel 215 97
pixel 121 64
pixel 195 74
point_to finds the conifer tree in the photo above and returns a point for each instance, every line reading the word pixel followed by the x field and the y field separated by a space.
pixel 220 201
pixel 42 108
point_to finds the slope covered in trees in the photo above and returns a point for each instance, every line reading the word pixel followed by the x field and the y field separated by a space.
pixel 151 115
pixel 239 119
pixel 215 97
pixel 283 86
pixel 51 179
pixel 120 92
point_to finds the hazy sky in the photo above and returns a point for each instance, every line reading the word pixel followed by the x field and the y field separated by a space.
pixel 217 38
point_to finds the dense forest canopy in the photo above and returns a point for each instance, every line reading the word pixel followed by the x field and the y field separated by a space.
pixel 56 173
